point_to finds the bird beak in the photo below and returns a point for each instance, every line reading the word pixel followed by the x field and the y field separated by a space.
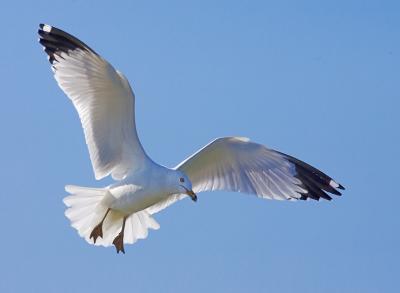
pixel 192 195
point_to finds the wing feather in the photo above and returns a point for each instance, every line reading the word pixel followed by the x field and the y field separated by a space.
pixel 103 99
pixel 237 164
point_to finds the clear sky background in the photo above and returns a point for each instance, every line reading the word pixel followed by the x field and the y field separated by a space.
pixel 319 81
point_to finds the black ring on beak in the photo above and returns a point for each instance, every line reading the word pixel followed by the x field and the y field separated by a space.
pixel 192 195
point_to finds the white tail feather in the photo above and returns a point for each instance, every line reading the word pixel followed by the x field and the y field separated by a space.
pixel 86 208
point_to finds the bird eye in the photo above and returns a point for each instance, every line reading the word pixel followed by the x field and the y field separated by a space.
pixel 181 179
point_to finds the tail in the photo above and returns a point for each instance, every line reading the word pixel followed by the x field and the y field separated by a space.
pixel 86 208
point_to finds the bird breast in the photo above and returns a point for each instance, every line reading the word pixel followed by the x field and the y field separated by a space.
pixel 130 198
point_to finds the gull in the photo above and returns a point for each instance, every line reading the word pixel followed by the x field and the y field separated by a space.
pixel 122 212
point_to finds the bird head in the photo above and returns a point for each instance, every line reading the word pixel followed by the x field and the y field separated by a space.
pixel 184 185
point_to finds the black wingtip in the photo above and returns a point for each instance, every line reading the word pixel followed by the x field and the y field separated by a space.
pixel 315 182
pixel 45 28
pixel 57 42
pixel 335 192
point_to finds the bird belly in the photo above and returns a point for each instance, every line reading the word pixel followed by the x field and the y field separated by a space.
pixel 130 199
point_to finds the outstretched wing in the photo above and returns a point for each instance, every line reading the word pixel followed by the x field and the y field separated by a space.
pixel 104 101
pixel 236 164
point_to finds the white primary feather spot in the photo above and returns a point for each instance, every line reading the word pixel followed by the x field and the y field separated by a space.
pixel 47 28
pixel 333 184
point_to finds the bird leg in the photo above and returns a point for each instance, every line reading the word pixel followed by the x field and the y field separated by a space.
pixel 98 230
pixel 119 240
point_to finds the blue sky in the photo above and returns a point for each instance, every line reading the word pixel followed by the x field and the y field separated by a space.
pixel 319 81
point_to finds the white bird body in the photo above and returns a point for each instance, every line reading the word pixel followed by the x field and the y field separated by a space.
pixel 105 103
pixel 142 189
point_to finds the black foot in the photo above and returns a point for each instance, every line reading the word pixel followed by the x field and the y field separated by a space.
pixel 119 242
pixel 97 232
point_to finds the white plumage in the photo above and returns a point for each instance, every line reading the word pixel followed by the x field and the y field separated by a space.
pixel 105 103
pixel 236 164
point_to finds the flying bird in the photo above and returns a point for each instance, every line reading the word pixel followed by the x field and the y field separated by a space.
pixel 123 212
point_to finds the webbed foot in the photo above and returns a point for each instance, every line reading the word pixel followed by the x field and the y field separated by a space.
pixel 119 242
pixel 97 232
